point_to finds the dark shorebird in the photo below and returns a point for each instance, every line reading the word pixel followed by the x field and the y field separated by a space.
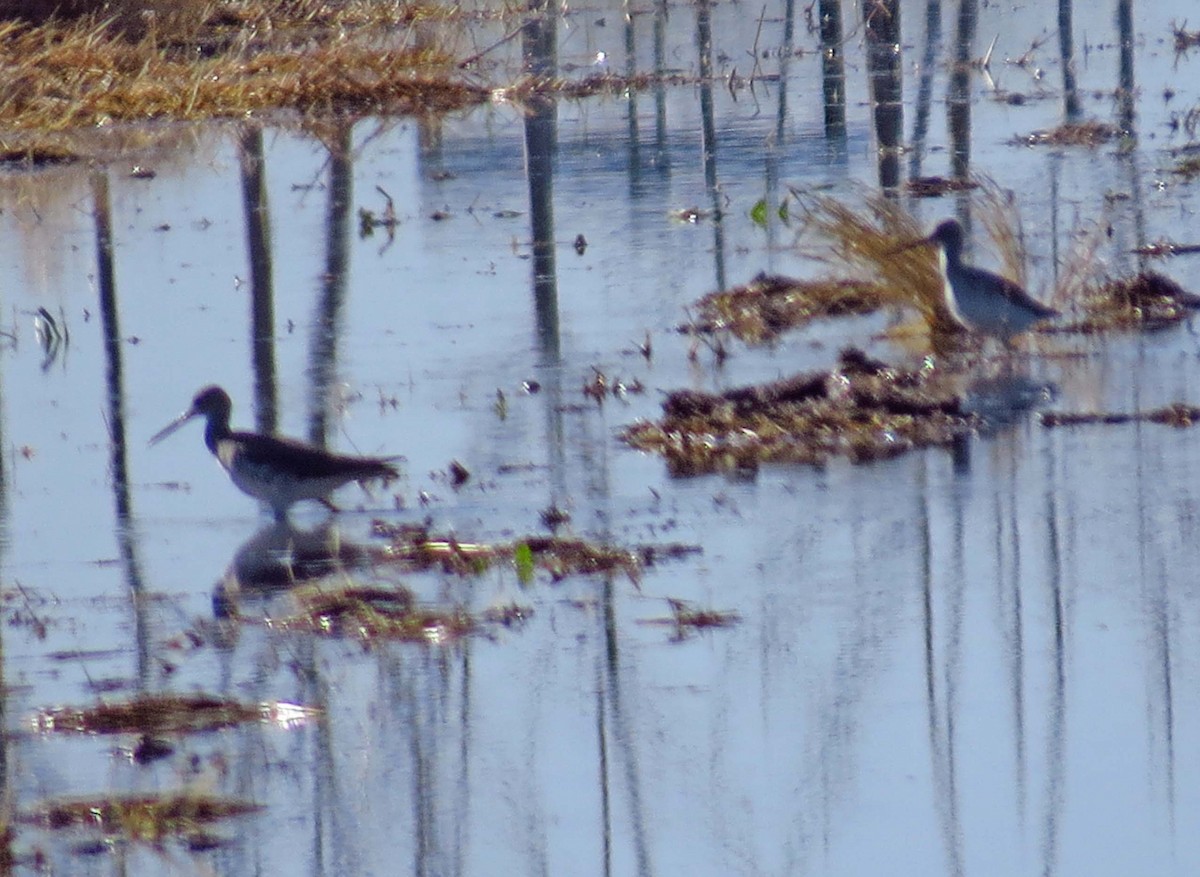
pixel 277 471
pixel 979 300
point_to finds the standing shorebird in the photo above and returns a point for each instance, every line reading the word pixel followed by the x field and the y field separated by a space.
pixel 979 300
pixel 277 471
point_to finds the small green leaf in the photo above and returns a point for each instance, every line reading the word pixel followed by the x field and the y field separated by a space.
pixel 523 558
pixel 783 211
pixel 758 213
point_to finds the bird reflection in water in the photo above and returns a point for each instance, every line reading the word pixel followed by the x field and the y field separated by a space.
pixel 280 556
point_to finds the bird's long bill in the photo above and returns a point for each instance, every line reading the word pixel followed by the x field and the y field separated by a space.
pixel 172 426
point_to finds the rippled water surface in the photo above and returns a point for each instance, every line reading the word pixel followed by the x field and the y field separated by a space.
pixel 976 663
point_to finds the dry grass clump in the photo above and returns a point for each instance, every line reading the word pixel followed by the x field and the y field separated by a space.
pixel 863 410
pixel 873 263
pixel 871 245
pixel 769 305
pixel 86 73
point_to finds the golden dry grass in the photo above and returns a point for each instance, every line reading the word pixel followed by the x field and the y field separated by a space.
pixel 870 244
pixel 226 60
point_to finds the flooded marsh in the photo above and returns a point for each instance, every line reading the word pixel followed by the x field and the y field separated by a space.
pixel 958 634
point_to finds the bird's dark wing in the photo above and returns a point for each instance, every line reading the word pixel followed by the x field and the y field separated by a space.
pixel 1018 296
pixel 303 460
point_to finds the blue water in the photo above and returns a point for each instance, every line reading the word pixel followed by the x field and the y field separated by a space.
pixel 982 665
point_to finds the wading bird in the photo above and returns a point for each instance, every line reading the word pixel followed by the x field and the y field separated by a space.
pixel 277 471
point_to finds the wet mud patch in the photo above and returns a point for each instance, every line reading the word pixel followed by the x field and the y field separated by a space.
pixel 862 410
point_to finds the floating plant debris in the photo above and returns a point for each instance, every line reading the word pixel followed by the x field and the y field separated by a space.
pixel 148 818
pixel 1089 133
pixel 1187 166
pixel 559 556
pixel 1146 301
pixel 166 714
pixel 690 215
pixel 862 410
pixel 685 617
pixel 1166 249
pixel 1177 414
pixel 769 305
pixel 935 187
pixel 554 517
pixel 1185 39
pixel 459 474
pixel 592 85
pixel 372 613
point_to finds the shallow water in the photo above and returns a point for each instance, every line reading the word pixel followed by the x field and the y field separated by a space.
pixel 965 664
